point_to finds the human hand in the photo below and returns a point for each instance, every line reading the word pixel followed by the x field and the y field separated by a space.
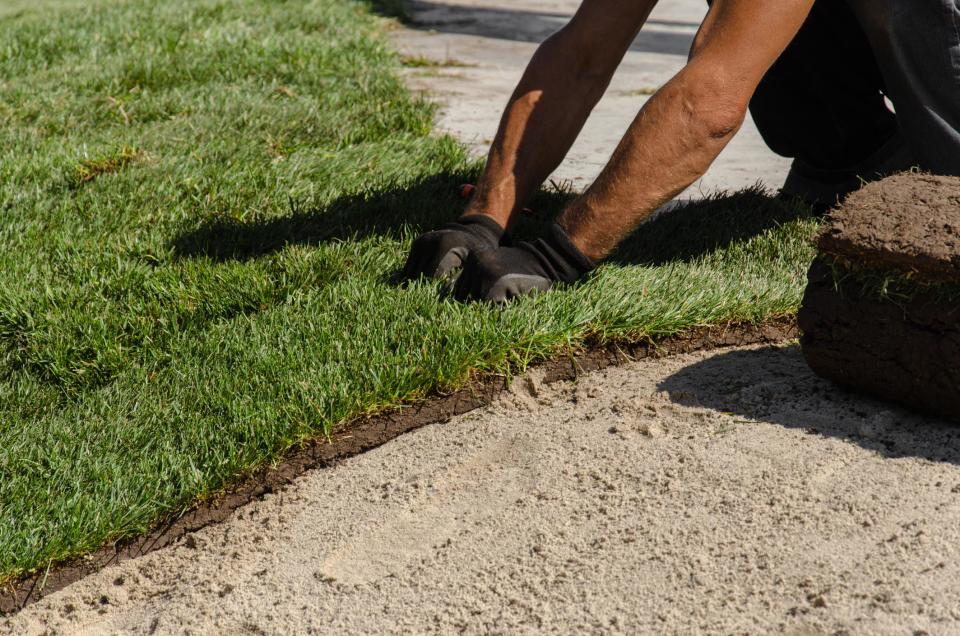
pixel 507 272
pixel 436 253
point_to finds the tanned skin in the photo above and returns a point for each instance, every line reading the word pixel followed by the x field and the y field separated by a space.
pixel 673 139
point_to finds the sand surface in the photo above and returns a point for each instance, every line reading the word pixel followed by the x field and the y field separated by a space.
pixel 723 492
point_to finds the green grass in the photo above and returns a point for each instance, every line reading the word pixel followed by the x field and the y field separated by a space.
pixel 203 204
pixel 890 285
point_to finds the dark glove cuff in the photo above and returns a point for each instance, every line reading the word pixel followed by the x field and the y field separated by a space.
pixel 559 257
pixel 562 243
pixel 481 225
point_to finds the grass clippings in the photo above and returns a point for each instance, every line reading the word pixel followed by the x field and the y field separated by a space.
pixel 89 169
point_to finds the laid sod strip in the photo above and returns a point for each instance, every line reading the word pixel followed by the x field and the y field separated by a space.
pixel 365 433
pixel 203 205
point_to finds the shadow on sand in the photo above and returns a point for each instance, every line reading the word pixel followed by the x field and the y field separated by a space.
pixel 774 384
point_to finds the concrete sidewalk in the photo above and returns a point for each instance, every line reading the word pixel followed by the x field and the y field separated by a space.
pixel 487 44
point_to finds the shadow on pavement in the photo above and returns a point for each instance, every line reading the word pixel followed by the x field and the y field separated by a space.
pixel 774 384
pixel 670 37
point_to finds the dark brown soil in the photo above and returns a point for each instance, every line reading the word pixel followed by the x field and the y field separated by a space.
pixel 908 222
pixel 907 353
pixel 367 433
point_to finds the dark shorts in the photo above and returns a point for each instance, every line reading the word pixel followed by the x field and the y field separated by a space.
pixel 823 100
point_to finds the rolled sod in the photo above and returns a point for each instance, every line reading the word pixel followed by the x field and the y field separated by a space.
pixel 881 312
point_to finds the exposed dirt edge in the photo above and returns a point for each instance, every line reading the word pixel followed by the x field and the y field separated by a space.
pixel 909 222
pixel 897 350
pixel 366 433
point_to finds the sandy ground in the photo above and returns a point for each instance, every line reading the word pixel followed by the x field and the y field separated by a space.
pixel 488 44
pixel 728 492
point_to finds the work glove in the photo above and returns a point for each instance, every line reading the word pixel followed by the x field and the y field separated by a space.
pixel 501 274
pixel 436 253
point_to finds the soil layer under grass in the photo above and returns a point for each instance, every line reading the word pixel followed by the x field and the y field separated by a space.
pixel 905 351
pixel 881 313
pixel 908 222
pixel 203 207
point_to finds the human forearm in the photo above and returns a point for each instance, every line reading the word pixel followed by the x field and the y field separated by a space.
pixel 671 142
pixel 682 128
pixel 563 82
pixel 542 119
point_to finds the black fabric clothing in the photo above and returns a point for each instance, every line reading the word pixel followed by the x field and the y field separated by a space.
pixel 822 102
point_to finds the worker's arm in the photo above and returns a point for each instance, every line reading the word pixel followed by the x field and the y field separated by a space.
pixel 672 141
pixel 562 83
pixel 685 125
pixel 566 78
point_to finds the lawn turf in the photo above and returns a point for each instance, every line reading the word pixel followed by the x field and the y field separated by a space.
pixel 203 204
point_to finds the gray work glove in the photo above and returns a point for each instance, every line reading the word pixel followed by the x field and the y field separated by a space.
pixel 436 253
pixel 501 274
